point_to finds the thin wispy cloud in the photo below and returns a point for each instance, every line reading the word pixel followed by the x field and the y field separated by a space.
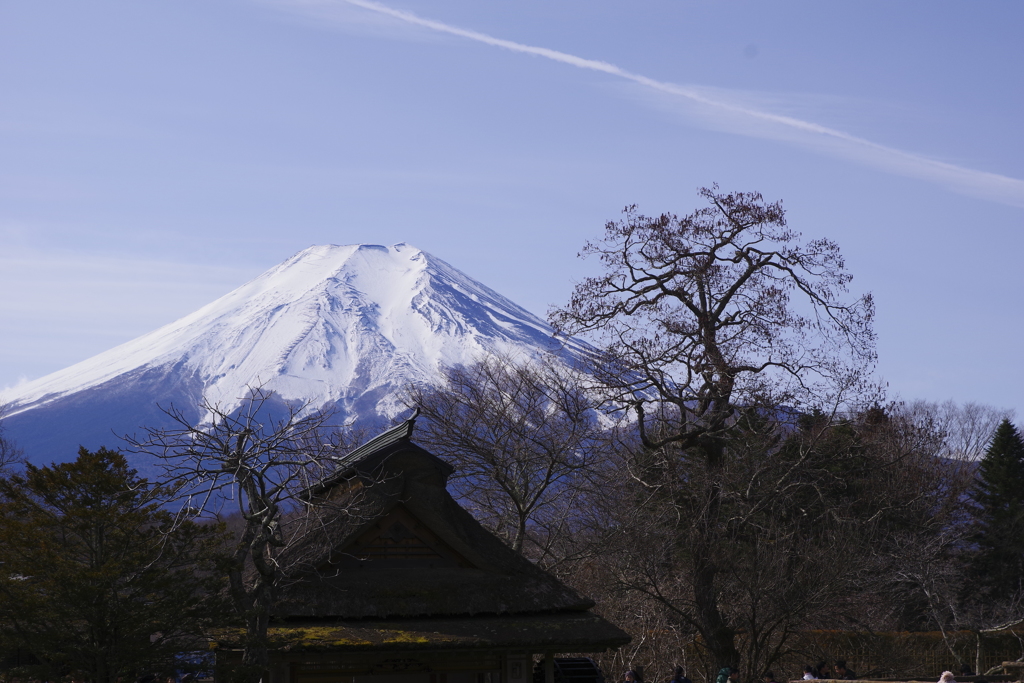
pixel 96 300
pixel 82 287
pixel 719 113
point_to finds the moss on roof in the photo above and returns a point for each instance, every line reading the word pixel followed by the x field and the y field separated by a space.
pixel 567 632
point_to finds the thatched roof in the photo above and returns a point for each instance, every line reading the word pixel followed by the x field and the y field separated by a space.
pixel 395 544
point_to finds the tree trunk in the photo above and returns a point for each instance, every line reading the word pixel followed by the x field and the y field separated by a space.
pixel 708 550
pixel 255 656
pixel 719 637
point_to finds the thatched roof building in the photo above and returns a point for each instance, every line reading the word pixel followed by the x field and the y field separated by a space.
pixel 401 582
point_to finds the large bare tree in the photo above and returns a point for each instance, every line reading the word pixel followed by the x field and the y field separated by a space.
pixel 249 459
pixel 700 316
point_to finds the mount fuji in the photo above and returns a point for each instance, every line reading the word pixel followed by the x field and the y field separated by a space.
pixel 345 327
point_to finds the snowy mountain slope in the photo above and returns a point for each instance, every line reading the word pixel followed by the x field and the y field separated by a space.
pixel 347 326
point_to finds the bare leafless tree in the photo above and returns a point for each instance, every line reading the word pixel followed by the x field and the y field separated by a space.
pixel 966 428
pixel 699 316
pixel 524 437
pixel 9 451
pixel 259 463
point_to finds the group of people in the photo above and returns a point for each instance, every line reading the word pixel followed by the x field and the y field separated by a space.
pixel 634 676
pixel 730 674
pixel 727 675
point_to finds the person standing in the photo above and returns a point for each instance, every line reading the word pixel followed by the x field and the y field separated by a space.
pixel 842 673
pixel 679 676
pixel 727 674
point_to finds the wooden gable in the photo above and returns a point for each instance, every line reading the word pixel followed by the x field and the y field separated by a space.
pixel 399 546
pixel 397 540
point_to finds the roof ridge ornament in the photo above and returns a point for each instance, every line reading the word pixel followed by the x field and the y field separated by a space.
pixel 401 431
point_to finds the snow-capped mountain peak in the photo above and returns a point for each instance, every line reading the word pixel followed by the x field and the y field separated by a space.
pixel 343 325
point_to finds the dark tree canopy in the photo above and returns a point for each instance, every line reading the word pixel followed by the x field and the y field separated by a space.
pixel 999 495
pixel 806 525
pixel 98 581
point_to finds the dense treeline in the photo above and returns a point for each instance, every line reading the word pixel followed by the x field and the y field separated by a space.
pixel 722 477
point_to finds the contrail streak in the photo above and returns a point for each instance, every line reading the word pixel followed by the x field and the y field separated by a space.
pixel 983 184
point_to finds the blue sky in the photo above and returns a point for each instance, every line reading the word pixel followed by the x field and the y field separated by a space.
pixel 154 155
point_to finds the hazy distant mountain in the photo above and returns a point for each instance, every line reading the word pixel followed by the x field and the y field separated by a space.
pixel 342 325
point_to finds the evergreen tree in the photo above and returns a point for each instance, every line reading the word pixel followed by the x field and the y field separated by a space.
pixel 999 497
pixel 97 581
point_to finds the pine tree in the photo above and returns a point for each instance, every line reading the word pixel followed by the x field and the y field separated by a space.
pixel 97 580
pixel 999 496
